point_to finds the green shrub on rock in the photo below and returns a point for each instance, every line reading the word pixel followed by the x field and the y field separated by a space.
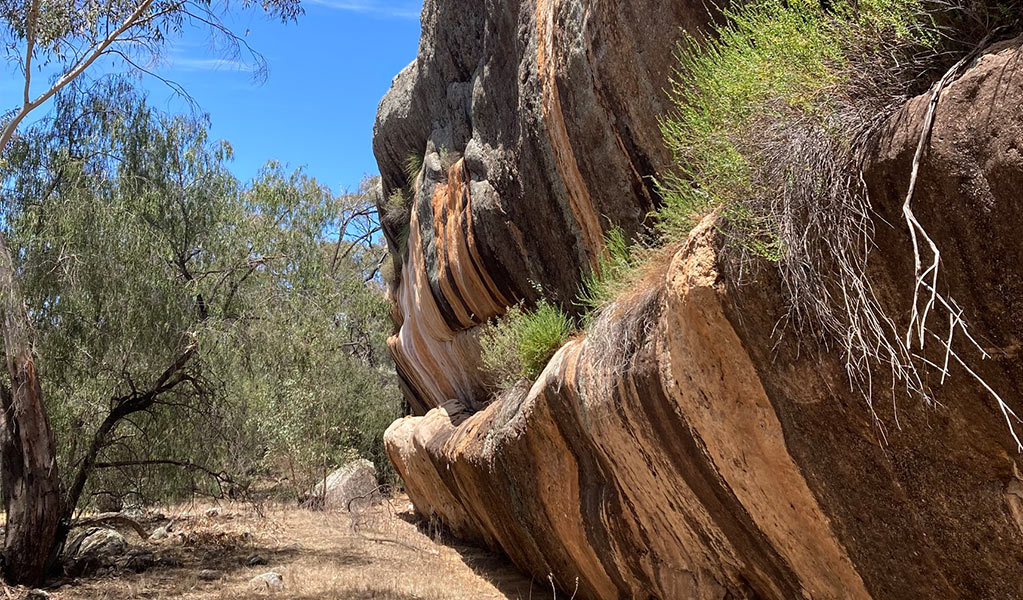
pixel 519 344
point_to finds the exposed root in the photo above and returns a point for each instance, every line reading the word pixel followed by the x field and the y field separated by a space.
pixel 926 279
pixel 618 330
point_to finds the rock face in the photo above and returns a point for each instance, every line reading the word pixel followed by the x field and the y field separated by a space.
pixel 356 481
pixel 682 450
pixel 536 125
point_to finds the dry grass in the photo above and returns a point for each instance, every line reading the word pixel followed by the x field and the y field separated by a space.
pixel 319 555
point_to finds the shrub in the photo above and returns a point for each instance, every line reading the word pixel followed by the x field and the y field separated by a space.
pixel 397 216
pixel 519 344
pixel 772 67
pixel 773 119
pixel 781 101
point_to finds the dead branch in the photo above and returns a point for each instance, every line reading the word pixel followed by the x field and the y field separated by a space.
pixel 112 518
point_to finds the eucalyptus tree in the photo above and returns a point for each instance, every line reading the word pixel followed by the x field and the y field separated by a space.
pixel 67 37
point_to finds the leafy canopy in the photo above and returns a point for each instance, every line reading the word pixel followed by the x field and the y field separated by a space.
pixel 136 247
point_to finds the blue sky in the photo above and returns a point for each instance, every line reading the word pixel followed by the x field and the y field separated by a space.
pixel 327 73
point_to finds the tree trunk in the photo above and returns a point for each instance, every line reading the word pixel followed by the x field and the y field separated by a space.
pixel 28 465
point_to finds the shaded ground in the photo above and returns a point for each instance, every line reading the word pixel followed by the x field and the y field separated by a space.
pixel 320 556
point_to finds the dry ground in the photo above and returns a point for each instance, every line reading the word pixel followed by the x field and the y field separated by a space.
pixel 318 554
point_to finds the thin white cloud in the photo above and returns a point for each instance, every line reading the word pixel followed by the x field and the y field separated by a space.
pixel 399 9
pixel 208 64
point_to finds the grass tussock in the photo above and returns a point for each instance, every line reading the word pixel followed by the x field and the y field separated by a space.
pixel 614 271
pixel 413 167
pixel 518 345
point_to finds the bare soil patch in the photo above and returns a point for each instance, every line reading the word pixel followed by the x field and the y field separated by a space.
pixel 378 552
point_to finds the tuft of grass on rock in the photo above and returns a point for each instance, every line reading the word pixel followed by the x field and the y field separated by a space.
pixel 612 274
pixel 521 343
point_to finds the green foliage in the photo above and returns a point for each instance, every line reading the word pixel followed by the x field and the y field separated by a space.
pixel 774 118
pixel 413 167
pixel 612 274
pixel 62 33
pixel 772 63
pixel 137 247
pixel 520 344
pixel 397 215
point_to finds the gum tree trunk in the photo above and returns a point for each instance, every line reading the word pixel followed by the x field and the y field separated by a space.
pixel 28 465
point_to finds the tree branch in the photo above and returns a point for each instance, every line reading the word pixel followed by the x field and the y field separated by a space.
pixel 184 464
pixel 72 74
pixel 30 43
pixel 122 407
pixel 111 517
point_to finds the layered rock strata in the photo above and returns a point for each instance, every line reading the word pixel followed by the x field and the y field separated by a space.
pixel 683 449
pixel 536 125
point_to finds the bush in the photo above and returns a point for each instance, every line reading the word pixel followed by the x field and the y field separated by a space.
pixel 773 119
pixel 397 215
pixel 783 98
pixel 771 65
pixel 520 343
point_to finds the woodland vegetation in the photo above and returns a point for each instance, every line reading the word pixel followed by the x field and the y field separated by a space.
pixel 168 329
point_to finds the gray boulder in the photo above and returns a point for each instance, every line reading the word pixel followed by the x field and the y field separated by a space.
pixel 354 483
pixel 93 549
pixel 271 581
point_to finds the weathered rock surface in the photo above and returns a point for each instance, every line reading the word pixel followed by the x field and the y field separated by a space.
pixel 686 452
pixel 94 548
pixel 356 481
pixel 272 582
pixel 536 123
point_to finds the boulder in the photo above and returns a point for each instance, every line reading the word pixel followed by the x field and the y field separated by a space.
pixel 268 581
pixel 354 483
pixel 93 549
pixel 536 124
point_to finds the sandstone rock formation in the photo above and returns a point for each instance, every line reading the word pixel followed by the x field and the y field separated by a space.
pixel 536 123
pixel 683 450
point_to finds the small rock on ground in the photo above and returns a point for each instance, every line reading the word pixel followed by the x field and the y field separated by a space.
pixel 255 560
pixel 158 534
pixel 209 575
pixel 271 581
